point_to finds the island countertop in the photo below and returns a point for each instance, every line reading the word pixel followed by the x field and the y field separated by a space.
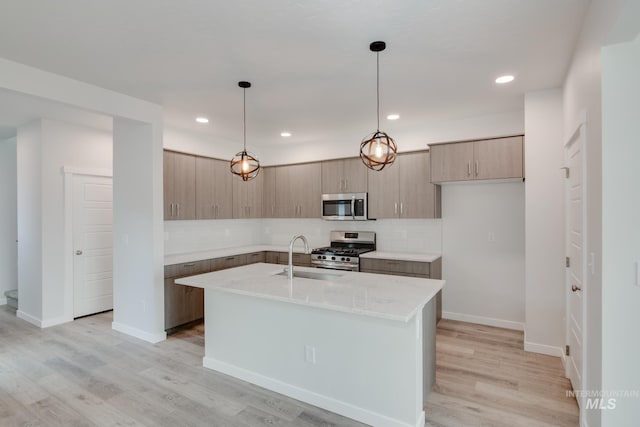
pixel 384 296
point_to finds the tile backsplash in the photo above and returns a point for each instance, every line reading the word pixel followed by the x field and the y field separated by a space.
pixel 393 235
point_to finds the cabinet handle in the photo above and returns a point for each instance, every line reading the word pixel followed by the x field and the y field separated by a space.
pixel 477 168
pixel 192 264
pixel 272 210
pixel 395 208
pixel 401 208
pixel 469 168
pixel 178 209
pixel 231 258
pixel 341 184
pixel 171 210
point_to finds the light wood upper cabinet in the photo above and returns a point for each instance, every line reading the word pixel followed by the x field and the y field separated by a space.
pixel 496 158
pixel 179 186
pixel 298 191
pixel 214 189
pixel 269 192
pixel 403 190
pixel 344 176
pixel 247 197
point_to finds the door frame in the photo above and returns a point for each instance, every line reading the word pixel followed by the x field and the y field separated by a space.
pixel 579 134
pixel 69 173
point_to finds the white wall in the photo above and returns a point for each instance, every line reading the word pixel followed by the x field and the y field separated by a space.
pixel 545 235
pixel 8 218
pixel 483 253
pixel 191 236
pixel 582 97
pixel 29 173
pixel 44 148
pixel 620 229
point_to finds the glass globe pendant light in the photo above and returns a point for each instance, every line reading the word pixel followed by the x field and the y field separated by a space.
pixel 244 164
pixel 378 149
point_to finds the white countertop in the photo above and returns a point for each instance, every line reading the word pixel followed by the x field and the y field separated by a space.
pixel 180 258
pixel 403 256
pixel 384 296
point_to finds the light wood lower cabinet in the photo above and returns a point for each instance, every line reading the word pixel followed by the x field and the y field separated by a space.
pixel 427 270
pixel 183 304
pixel 298 259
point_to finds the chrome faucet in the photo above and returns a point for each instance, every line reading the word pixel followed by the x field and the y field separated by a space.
pixel 306 251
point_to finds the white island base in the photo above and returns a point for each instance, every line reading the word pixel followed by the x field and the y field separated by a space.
pixel 328 343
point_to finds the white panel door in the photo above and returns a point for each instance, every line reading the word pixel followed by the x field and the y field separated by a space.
pixel 574 202
pixel 92 245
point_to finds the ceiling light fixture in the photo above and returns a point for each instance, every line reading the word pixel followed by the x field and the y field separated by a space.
pixel 202 120
pixel 285 134
pixel 504 79
pixel 393 116
pixel 378 149
pixel 244 164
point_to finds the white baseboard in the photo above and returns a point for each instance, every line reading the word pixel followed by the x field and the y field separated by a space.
pixel 343 408
pixel 3 301
pixel 29 318
pixel 543 349
pixel 42 323
pixel 489 321
pixel 138 333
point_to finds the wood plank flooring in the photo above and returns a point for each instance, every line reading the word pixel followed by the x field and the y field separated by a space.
pixel 85 374
pixel 485 378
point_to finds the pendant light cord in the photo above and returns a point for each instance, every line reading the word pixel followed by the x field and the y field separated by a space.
pixel 378 87
pixel 244 102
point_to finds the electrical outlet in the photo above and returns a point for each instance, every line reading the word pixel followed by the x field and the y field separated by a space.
pixel 310 354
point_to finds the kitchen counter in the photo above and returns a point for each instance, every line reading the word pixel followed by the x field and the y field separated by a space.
pixel 358 344
pixel 402 256
pixel 389 297
pixel 180 258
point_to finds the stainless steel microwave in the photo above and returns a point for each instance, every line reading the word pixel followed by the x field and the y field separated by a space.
pixel 344 207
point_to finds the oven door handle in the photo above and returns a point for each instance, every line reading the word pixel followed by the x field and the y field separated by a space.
pixel 353 207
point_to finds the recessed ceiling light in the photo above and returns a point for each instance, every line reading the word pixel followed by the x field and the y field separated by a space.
pixel 202 120
pixel 393 116
pixel 504 79
pixel 285 134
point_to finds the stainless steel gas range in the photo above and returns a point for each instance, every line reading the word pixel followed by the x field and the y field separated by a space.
pixel 345 250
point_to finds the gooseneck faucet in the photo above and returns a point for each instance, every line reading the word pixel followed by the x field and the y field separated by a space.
pixel 306 251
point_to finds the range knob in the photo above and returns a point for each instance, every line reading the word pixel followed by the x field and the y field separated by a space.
pixel 342 259
pixel 348 259
pixel 324 257
pixel 333 258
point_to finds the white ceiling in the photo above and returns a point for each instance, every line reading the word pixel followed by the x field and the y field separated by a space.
pixel 309 62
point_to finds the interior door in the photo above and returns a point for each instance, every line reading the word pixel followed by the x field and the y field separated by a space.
pixel 92 245
pixel 574 202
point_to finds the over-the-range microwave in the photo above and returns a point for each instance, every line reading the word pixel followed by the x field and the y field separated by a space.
pixel 344 207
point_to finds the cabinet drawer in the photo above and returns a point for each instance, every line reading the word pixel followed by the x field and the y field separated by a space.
pixel 228 262
pixel 192 268
pixel 255 257
pixel 392 266
pixel 298 259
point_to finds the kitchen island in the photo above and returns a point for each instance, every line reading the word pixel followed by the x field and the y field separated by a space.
pixel 358 344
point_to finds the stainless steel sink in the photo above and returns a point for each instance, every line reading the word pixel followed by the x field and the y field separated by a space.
pixel 320 275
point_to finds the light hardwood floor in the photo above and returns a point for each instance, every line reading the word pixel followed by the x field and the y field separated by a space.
pixel 85 374
pixel 485 378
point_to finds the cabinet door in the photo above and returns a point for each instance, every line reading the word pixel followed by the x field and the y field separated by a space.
pixel 309 190
pixel 383 192
pixel 271 257
pixel 417 194
pixel 498 158
pixel 223 184
pixel 285 199
pixel 254 197
pixel 355 176
pixel 255 257
pixel 332 176
pixel 240 193
pixel 184 181
pixel 269 192
pixel 168 190
pixel 205 188
pixel 451 162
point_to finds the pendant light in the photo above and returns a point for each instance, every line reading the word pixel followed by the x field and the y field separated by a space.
pixel 378 149
pixel 244 164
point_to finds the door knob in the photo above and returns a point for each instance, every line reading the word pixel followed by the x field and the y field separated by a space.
pixel 575 288
pixel 78 252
